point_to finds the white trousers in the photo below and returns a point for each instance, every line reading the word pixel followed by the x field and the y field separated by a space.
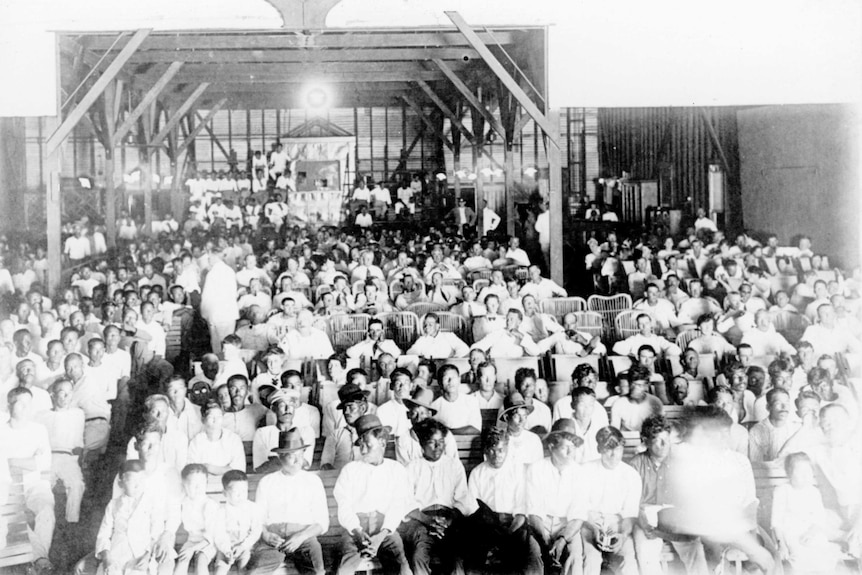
pixel 65 468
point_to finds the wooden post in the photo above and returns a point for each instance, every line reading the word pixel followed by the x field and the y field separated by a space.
pixel 555 191
pixel 53 162
pixel 146 155
pixel 509 187
pixel 110 199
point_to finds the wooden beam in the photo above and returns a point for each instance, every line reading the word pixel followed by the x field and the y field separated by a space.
pixel 148 99
pixel 456 121
pixel 266 69
pixel 285 56
pixel 453 118
pixel 470 97
pixel 250 77
pixel 72 119
pixel 504 76
pixel 201 124
pixel 179 113
pixel 209 130
pixel 405 154
pixel 270 39
pixel 421 113
pixel 555 193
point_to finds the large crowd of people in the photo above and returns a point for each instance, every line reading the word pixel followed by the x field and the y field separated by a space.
pixel 226 349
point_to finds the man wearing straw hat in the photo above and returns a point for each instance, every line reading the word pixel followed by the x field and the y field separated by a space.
pixel 407 446
pixel 373 496
pixel 293 503
pixel 550 493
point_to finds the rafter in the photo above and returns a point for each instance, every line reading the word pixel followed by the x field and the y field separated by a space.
pixel 95 91
pixel 148 99
pixel 179 113
pixel 428 123
pixel 470 96
pixel 511 84
pixel 203 123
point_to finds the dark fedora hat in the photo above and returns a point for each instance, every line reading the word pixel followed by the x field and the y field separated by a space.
pixel 288 441
pixel 368 423
pixel 350 392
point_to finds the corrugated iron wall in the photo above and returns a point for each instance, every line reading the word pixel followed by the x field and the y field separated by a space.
pixel 672 145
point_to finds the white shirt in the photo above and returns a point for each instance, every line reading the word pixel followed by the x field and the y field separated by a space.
pixel 768 342
pixel 525 448
pixel 366 348
pixel 314 345
pixel 394 415
pixel 365 488
pixel 407 448
pixel 518 256
pixel 543 227
pixel 92 393
pixel 226 451
pixel 503 489
pixel 442 482
pixel 462 412
pixel 545 289
pixel 496 401
pixel 443 345
pixel 296 498
pixel 550 492
pixel 29 441
pixel 65 428
pixel 608 491
pixel 630 345
pixel 831 341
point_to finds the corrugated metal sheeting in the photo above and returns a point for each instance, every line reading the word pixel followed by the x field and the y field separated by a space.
pixel 672 145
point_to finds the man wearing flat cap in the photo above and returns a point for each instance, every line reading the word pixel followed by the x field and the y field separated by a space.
pixel 550 493
pixel 373 496
pixel 407 446
pixel 340 448
pixel 293 503
pixel 525 447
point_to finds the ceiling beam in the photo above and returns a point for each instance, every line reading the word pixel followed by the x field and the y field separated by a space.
pixel 470 97
pixel 251 39
pixel 148 99
pixel 274 56
pixel 74 116
pixel 311 75
pixel 510 83
pixel 178 114
pixel 201 124
pixel 284 70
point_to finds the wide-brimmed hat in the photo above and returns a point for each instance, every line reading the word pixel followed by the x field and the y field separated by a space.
pixel 515 401
pixel 350 392
pixel 565 427
pixel 368 423
pixel 288 441
pixel 423 397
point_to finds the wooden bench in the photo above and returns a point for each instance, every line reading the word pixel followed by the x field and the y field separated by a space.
pixel 16 549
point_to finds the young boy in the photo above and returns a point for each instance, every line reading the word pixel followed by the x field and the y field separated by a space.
pixel 198 515
pixel 238 524
pixel 130 526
